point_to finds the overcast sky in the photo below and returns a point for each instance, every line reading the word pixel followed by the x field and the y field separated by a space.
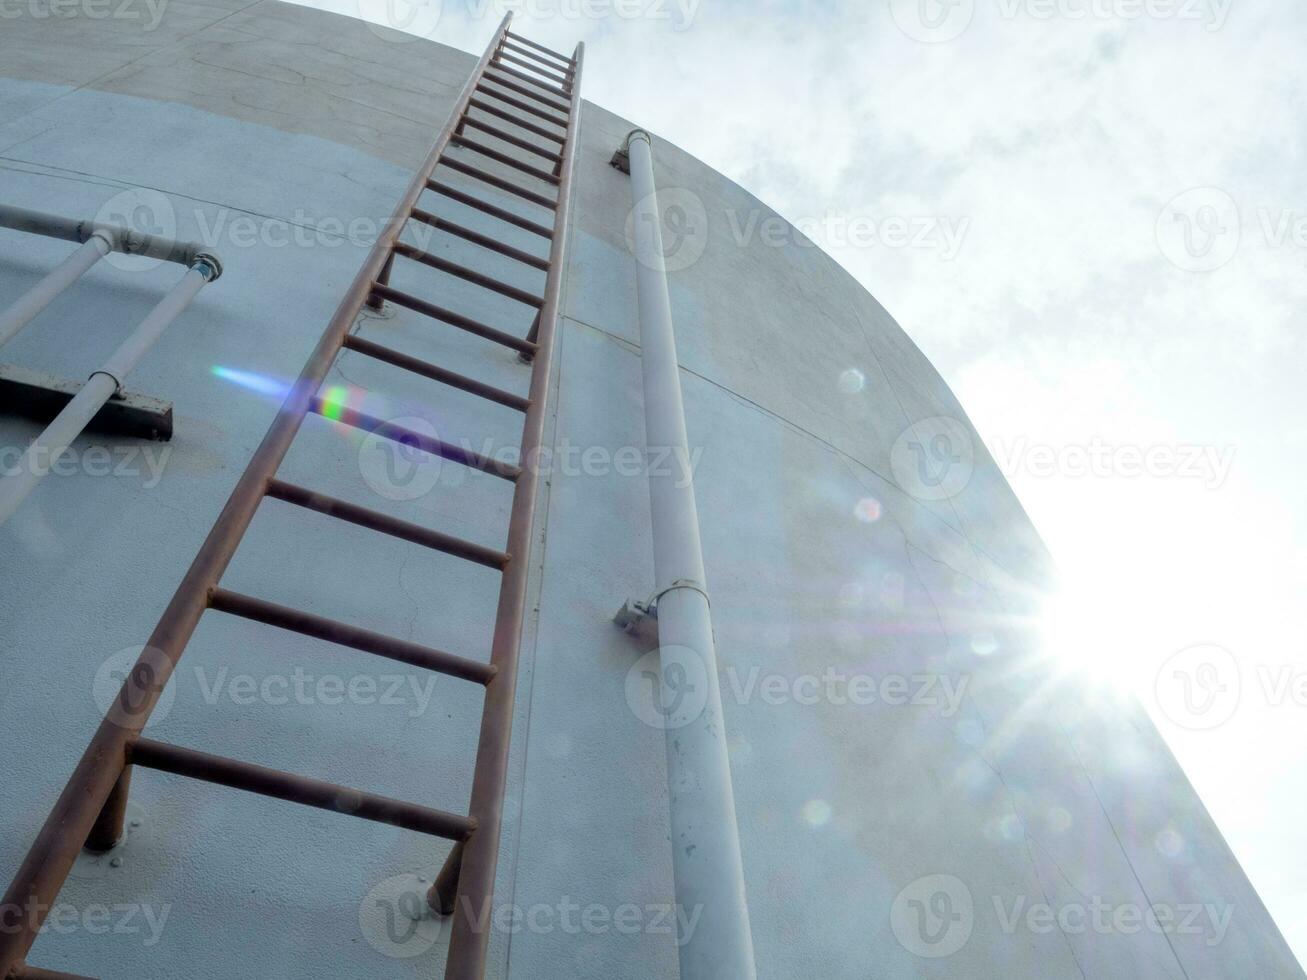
pixel 1106 233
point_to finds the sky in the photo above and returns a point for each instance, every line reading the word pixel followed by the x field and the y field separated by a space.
pixel 1106 237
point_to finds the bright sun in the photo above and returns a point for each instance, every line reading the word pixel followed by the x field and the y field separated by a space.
pixel 1092 632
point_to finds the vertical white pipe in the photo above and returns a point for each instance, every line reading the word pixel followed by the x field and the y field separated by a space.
pixel 709 876
pixel 69 423
pixel 48 289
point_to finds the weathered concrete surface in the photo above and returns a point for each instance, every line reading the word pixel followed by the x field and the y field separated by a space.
pixel 1030 787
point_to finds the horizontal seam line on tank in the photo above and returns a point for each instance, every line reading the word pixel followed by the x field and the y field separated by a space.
pixel 128 64
pixel 25 139
pixel 62 173
pixel 635 348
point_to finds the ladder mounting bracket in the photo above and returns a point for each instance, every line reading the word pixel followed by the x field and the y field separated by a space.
pixel 639 620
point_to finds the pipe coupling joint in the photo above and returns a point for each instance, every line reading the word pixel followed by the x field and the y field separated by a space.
pixel 106 235
pixel 209 266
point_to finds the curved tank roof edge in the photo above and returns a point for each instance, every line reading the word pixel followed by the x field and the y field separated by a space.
pixel 371 105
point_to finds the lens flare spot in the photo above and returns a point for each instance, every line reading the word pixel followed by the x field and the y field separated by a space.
pixel 1059 820
pixel 1170 843
pixel 867 510
pixel 984 643
pixel 1006 828
pixel 334 401
pixel 816 813
pixel 248 379
pixel 852 381
pixel 976 777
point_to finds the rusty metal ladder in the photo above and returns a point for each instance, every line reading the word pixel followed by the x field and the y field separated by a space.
pixel 544 86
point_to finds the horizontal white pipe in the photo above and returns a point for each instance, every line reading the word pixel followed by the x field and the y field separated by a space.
pixel 124 240
pixel 77 414
pixel 52 286
pixel 706 867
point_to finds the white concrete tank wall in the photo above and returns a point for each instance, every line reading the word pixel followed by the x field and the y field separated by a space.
pixel 883 839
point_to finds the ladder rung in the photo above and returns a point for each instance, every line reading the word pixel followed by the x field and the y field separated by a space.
pixel 334 631
pixel 508 137
pixel 375 521
pixel 493 181
pixel 397 433
pixel 476 238
pixel 519 104
pixel 489 151
pixel 454 194
pixel 567 66
pixel 469 275
pixel 562 92
pixel 436 373
pixel 529 127
pixel 529 93
pixel 519 39
pixel 299 789
pixel 518 57
pixel 453 319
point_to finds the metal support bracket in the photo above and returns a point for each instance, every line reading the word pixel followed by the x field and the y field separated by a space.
pixel 639 620
pixel 40 397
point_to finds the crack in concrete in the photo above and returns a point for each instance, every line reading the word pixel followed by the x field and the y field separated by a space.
pixel 992 766
pixel 1117 837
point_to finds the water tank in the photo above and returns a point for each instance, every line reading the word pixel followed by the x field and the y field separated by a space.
pixel 922 788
